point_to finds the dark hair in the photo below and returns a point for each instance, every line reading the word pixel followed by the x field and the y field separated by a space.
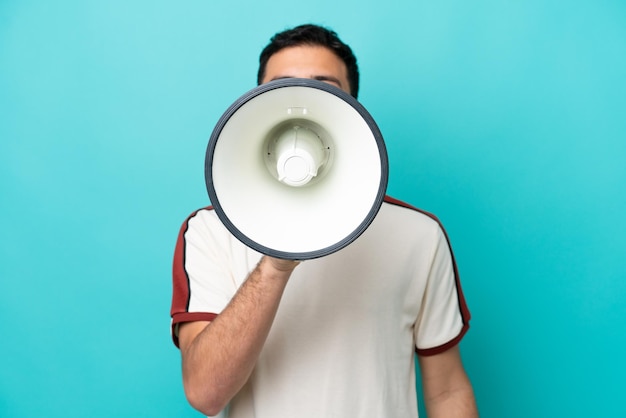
pixel 316 36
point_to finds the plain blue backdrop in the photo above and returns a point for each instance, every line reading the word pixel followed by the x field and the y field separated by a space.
pixel 505 118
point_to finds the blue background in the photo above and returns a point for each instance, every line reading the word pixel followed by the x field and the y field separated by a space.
pixel 505 118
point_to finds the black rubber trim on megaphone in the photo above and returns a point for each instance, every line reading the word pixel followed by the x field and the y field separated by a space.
pixel 297 82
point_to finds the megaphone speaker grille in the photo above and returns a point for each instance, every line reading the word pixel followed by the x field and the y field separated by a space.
pixel 324 141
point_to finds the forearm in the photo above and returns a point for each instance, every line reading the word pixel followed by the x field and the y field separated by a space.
pixel 459 403
pixel 447 390
pixel 220 359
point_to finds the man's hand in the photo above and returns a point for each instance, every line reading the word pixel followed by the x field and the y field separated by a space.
pixel 280 264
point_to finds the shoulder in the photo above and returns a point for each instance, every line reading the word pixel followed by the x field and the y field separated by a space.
pixel 400 212
pixel 202 213
pixel 392 201
pixel 201 218
pixel 203 225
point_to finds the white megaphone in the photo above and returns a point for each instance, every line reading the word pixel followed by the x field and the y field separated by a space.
pixel 296 169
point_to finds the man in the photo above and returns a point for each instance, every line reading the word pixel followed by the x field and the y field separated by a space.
pixel 335 336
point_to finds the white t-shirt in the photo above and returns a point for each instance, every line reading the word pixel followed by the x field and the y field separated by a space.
pixel 349 324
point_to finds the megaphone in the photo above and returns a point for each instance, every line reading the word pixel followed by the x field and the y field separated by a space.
pixel 296 169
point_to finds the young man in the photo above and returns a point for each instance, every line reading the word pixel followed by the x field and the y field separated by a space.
pixel 334 336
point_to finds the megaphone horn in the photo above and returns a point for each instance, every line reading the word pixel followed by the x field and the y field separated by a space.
pixel 296 169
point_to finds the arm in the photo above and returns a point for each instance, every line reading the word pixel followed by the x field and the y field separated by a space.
pixel 219 356
pixel 447 390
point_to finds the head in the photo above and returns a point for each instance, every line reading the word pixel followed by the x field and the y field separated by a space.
pixel 316 42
